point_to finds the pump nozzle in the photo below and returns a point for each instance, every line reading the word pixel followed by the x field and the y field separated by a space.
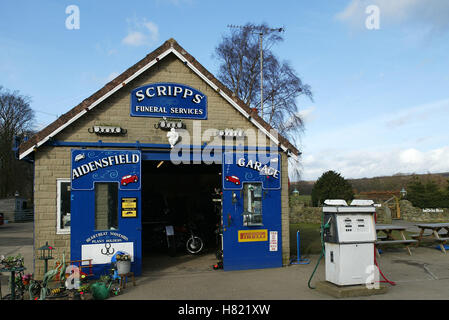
pixel 327 224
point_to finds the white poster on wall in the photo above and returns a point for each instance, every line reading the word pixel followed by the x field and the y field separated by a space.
pixel 273 241
pixel 101 253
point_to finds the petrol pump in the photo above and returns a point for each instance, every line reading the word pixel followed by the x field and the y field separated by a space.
pixel 349 235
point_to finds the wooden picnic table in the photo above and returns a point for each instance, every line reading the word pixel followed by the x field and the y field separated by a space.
pixel 388 238
pixel 434 235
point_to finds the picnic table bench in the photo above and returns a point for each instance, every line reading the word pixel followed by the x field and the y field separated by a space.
pixel 434 236
pixel 387 238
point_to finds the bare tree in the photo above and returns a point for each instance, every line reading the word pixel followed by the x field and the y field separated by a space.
pixel 16 120
pixel 239 70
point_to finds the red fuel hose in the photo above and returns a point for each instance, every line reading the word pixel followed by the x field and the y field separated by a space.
pixel 377 265
pixel 380 271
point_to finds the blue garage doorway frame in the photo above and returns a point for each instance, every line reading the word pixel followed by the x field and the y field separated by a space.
pixel 105 207
pixel 192 155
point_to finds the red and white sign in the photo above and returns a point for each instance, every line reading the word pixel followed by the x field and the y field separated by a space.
pixel 273 241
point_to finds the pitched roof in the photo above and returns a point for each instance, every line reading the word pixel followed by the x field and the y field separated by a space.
pixel 169 46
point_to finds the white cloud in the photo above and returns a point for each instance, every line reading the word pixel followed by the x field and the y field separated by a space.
pixel 372 163
pixel 307 114
pixel 433 14
pixel 412 139
pixel 414 126
pixel 135 38
pixel 142 32
pixel 153 29
pixel 418 113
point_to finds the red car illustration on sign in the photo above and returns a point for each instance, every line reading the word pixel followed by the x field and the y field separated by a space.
pixel 233 179
pixel 128 179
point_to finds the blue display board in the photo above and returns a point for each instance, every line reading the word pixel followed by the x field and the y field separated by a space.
pixel 121 170
pixel 239 168
pixel 90 166
pixel 171 100
pixel 251 246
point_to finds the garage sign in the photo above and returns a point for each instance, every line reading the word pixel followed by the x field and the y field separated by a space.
pixel 241 168
pixel 171 100
pixel 90 166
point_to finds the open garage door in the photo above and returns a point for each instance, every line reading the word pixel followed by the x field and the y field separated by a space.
pixel 105 207
pixel 251 211
pixel 178 202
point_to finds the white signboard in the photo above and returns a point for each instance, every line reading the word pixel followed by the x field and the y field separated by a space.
pixel 273 241
pixel 102 253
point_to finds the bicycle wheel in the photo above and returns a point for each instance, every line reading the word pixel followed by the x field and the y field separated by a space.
pixel 194 245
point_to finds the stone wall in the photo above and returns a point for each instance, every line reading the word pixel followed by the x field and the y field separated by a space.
pixel 410 213
pixel 302 214
pixel 299 213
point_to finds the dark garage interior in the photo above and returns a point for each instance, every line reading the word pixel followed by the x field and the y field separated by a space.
pixel 185 196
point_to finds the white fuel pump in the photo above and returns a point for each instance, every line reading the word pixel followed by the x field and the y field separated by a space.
pixel 349 237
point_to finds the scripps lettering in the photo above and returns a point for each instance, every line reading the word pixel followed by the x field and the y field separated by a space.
pixel 170 91
pixel 171 100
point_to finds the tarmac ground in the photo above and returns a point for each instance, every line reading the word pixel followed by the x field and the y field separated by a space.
pixel 422 276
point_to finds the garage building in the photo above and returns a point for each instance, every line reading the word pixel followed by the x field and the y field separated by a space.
pixel 163 144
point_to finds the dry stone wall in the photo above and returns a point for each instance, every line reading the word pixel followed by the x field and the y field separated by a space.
pixel 302 214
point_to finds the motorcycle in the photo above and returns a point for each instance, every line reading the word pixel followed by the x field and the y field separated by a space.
pixel 186 235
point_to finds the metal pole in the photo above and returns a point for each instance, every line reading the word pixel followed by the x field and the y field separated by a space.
pixel 261 60
pixel 13 285
pixel 299 260
pixel 298 245
pixel 261 74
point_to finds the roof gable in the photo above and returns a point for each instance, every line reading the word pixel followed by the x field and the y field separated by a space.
pixel 168 47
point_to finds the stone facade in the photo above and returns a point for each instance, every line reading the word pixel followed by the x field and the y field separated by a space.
pixel 52 163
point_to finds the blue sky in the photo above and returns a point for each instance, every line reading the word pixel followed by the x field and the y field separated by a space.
pixel 381 98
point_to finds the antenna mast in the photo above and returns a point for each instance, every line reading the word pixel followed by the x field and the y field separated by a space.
pixel 260 33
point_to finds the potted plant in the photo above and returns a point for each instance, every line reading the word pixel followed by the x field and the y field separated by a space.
pixel 27 278
pixel 123 263
pixel 85 292
pixel 11 262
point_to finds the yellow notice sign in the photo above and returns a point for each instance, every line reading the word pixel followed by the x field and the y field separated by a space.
pixel 129 207
pixel 253 235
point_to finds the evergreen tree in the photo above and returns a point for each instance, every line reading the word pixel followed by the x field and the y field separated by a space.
pixel 427 195
pixel 331 185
